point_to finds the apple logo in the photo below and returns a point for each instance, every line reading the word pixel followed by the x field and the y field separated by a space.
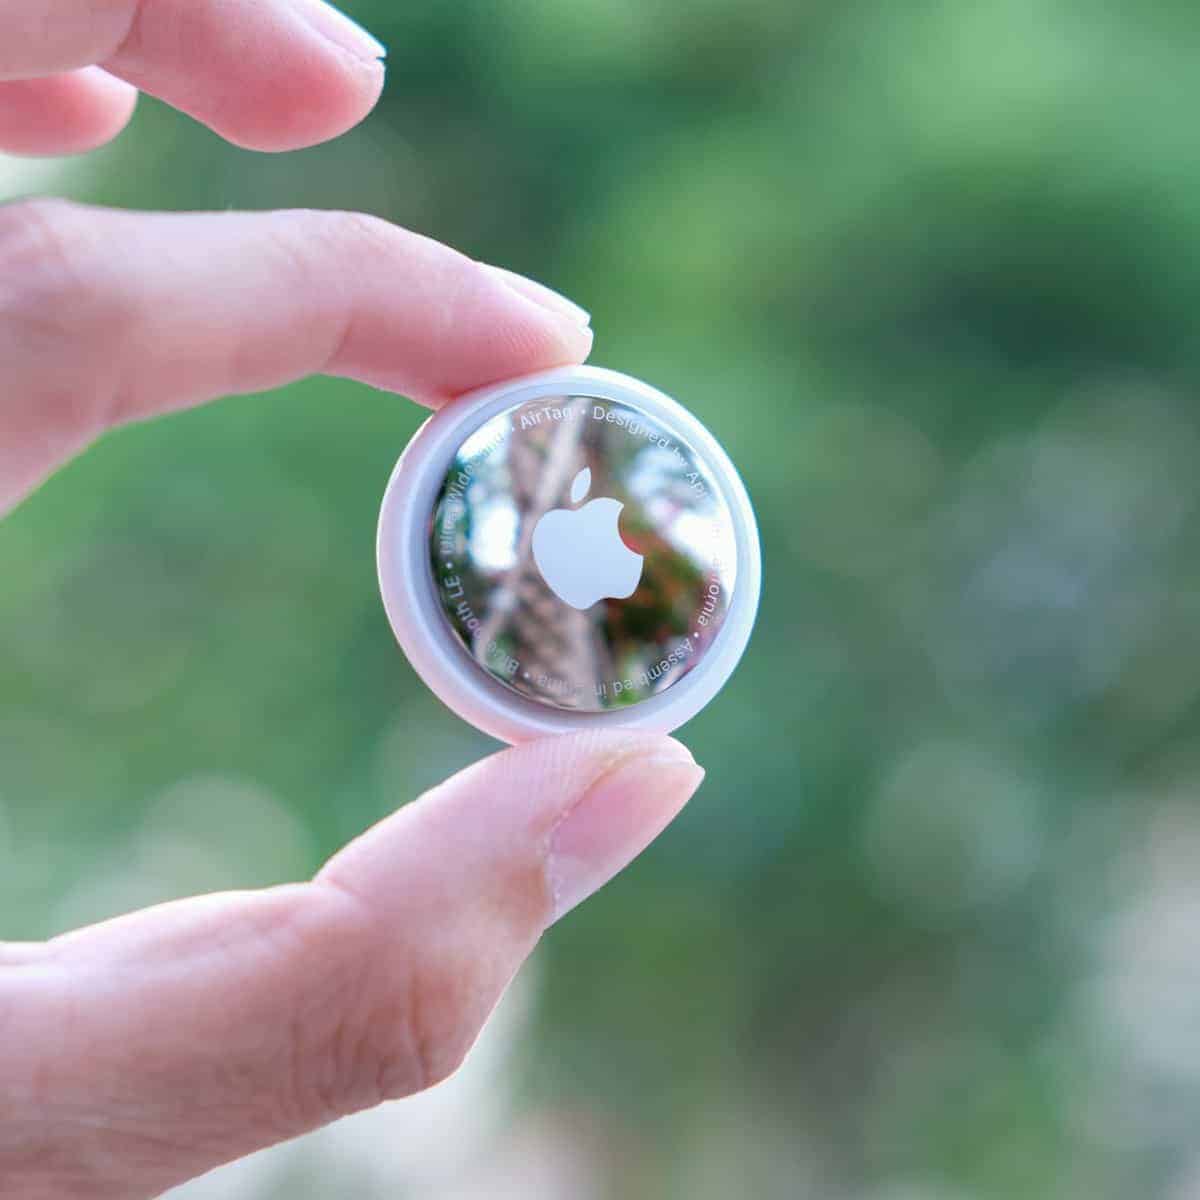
pixel 580 552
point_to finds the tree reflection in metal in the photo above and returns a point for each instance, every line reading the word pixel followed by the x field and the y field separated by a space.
pixel 590 606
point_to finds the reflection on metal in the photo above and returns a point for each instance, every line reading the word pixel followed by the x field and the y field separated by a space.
pixel 582 552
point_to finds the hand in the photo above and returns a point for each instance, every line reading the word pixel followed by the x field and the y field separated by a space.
pixel 143 1051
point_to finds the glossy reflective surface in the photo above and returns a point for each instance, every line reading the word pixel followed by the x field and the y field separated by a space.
pixel 582 552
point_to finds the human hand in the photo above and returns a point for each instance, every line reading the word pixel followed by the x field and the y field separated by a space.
pixel 138 1053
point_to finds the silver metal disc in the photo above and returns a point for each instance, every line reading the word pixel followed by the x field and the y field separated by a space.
pixel 582 552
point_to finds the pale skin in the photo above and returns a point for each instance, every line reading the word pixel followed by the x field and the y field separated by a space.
pixel 141 1052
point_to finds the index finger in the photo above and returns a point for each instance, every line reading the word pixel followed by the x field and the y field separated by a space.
pixel 109 316
pixel 265 74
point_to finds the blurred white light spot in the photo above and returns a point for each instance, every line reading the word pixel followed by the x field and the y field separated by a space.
pixel 952 827
pixel 238 820
pixel 204 834
pixel 863 482
pixel 1139 1012
pixel 420 749
pixel 34 176
pixel 1149 996
pixel 494 535
pixel 1050 558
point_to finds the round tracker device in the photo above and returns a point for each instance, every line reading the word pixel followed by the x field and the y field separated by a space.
pixel 567 550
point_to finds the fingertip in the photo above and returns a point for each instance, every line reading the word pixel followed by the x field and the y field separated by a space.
pixel 64 114
pixel 502 332
pixel 545 296
pixel 281 75
pixel 318 101
pixel 116 104
pixel 594 801
pixel 587 754
pixel 429 322
pixel 619 812
pixel 328 81
pixel 341 29
pixel 551 819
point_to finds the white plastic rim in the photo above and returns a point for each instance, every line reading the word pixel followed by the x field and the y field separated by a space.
pixel 411 601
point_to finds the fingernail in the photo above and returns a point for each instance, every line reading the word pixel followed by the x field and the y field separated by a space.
pixel 332 23
pixel 622 812
pixel 539 293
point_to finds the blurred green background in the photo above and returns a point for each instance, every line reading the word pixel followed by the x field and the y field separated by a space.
pixel 931 930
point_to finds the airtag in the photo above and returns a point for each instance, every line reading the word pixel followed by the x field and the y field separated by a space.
pixel 568 550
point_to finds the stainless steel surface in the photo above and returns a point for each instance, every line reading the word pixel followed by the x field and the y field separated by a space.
pixel 542 590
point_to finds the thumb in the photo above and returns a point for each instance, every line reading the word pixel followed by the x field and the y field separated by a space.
pixel 146 1050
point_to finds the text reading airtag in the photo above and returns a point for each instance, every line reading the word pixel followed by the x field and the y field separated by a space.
pixel 582 552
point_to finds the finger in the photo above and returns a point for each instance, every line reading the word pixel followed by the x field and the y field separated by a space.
pixel 108 316
pixel 64 114
pixel 156 1046
pixel 266 74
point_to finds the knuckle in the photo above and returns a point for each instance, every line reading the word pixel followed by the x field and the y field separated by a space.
pixel 443 283
pixel 370 1026
pixel 354 230
pixel 356 238
pixel 366 253
pixel 440 1027
pixel 327 251
pixel 34 223
pixel 55 315
pixel 40 245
